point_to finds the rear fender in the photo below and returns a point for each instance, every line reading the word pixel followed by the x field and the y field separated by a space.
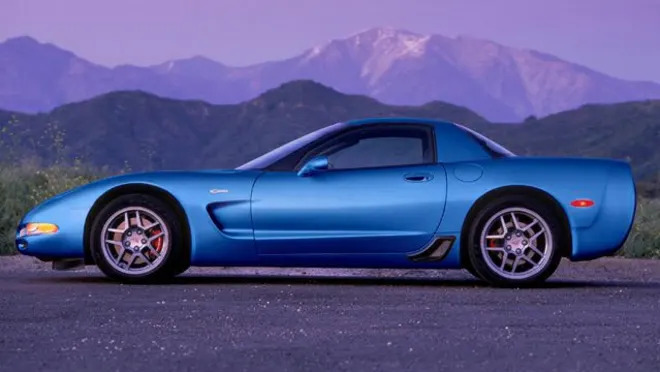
pixel 564 179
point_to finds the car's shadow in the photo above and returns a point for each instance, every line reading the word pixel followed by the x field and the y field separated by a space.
pixel 196 279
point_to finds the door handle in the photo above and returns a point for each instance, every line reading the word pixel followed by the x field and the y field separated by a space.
pixel 418 177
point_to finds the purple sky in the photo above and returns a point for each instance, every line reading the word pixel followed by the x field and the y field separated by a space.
pixel 618 37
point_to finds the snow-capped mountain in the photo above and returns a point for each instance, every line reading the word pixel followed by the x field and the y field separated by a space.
pixel 394 66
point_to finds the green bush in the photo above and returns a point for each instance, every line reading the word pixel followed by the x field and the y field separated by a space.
pixel 23 188
pixel 644 239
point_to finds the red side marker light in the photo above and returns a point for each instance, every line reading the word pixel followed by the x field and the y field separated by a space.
pixel 582 203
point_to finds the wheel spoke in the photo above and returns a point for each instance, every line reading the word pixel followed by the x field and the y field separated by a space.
pixel 114 242
pixel 539 233
pixel 148 262
pixel 524 257
pixel 514 219
pixel 127 220
pixel 151 239
pixel 151 226
pixel 504 228
pixel 504 258
pixel 497 249
pixel 530 225
pixel 116 231
pixel 515 264
pixel 121 255
pixel 131 261
pixel 536 250
pixel 153 250
pixel 138 220
pixel 501 236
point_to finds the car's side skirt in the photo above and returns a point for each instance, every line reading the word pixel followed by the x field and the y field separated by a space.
pixel 436 250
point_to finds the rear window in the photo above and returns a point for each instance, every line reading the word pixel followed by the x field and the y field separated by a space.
pixel 493 148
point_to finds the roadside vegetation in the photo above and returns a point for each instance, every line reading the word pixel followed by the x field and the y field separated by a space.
pixel 23 188
pixel 644 239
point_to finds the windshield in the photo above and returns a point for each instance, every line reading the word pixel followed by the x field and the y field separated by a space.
pixel 494 148
pixel 273 156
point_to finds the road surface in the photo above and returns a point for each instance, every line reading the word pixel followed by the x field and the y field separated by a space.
pixel 597 316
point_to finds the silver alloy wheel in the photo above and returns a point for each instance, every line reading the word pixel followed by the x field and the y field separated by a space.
pixel 135 240
pixel 516 243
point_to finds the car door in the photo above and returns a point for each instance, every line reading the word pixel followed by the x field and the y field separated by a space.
pixel 384 192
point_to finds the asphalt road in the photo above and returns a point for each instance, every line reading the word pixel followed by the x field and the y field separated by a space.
pixel 600 316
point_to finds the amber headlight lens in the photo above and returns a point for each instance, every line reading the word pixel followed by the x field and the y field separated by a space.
pixel 37 228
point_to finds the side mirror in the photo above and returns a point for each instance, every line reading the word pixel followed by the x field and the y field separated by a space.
pixel 314 165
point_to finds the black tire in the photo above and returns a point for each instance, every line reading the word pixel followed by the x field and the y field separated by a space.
pixel 182 267
pixel 468 266
pixel 175 259
pixel 478 262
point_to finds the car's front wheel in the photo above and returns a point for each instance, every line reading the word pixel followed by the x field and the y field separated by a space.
pixel 514 241
pixel 137 238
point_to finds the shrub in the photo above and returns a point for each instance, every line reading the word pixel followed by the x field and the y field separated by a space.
pixel 644 239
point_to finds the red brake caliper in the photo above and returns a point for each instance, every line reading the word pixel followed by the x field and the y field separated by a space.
pixel 158 243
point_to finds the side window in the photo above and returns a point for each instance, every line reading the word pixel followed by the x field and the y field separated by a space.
pixel 374 147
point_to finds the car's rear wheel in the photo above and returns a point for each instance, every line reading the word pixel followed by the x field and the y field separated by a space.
pixel 514 241
pixel 138 238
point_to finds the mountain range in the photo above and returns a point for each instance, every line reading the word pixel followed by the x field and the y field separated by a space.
pixel 393 66
pixel 145 132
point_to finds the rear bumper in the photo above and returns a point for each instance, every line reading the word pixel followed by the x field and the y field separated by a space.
pixel 614 221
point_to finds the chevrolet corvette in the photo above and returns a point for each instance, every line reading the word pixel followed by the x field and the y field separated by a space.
pixel 371 193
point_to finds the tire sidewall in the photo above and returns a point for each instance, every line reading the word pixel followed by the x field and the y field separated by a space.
pixel 167 267
pixel 476 256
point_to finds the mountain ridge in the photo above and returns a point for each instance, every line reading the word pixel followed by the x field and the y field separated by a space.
pixel 394 66
pixel 151 132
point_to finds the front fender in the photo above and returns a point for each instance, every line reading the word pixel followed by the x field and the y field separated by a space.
pixel 192 190
pixel 68 211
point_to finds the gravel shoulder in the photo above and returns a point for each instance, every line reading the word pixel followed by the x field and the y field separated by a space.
pixel 603 269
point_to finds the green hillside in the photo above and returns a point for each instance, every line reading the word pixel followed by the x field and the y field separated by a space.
pixel 149 132
pixel 142 131
pixel 629 131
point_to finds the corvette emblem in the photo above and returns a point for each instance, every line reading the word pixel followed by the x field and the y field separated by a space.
pixel 218 191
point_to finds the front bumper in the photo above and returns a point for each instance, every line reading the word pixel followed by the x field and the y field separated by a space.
pixel 47 247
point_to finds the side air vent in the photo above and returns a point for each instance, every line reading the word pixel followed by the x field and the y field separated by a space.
pixel 435 251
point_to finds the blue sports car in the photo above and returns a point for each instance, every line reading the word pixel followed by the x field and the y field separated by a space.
pixel 374 193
